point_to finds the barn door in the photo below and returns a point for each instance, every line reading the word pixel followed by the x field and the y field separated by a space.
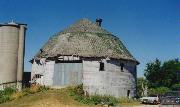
pixel 67 74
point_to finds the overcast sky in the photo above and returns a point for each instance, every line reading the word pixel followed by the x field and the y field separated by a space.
pixel 148 28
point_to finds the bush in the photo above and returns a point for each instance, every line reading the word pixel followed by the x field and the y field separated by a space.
pixel 176 87
pixel 43 89
pixel 95 99
pixel 159 90
pixel 109 100
pixel 5 95
pixel 11 93
pixel 4 98
pixel 78 93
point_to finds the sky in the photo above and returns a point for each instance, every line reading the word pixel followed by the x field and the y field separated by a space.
pixel 148 28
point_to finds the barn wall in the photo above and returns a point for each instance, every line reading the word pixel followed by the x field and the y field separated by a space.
pixel 57 74
pixel 112 81
pixel 66 74
pixel 9 84
pixel 46 69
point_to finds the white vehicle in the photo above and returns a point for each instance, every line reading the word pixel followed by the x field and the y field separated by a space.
pixel 152 99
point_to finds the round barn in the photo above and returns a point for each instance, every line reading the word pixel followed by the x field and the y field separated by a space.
pixel 85 53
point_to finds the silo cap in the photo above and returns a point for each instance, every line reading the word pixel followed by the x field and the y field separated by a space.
pixel 12 23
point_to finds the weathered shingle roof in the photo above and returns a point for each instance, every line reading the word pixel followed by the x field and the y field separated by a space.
pixel 84 38
pixel 85 25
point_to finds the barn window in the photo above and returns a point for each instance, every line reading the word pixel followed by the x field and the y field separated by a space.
pixel 101 68
pixel 37 76
pixel 122 67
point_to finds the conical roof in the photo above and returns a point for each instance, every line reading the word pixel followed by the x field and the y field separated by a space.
pixel 86 39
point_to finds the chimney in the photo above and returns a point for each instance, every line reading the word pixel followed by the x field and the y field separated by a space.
pixel 98 22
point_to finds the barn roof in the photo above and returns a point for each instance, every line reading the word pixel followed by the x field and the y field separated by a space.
pixel 86 39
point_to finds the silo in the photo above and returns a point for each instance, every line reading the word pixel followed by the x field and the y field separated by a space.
pixel 11 54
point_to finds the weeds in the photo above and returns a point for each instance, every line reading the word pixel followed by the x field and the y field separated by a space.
pixel 5 95
pixel 9 94
pixel 78 93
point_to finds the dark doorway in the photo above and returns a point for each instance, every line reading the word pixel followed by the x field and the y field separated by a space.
pixel 128 93
pixel 101 68
pixel 26 79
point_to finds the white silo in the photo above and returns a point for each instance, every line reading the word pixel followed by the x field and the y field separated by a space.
pixel 12 42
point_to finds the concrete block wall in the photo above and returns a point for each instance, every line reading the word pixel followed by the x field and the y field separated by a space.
pixel 5 85
pixel 112 81
pixel 46 70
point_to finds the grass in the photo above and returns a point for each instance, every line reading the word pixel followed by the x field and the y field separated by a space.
pixel 38 96
pixel 125 102
pixel 5 95
pixel 49 98
pixel 79 95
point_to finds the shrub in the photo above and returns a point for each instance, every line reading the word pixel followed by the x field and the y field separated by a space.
pixel 26 91
pixel 113 100
pixel 4 98
pixel 1 92
pixel 176 87
pixel 78 93
pixel 5 95
pixel 9 91
pixel 159 90
pixel 43 89
pixel 95 99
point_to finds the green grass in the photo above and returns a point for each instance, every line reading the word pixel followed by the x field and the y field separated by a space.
pixel 37 96
pixel 49 98
pixel 5 95
pixel 125 102
pixel 78 93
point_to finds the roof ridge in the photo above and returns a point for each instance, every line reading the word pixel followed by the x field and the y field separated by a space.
pixel 84 25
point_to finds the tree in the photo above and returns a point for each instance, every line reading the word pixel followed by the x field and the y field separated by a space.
pixel 152 73
pixel 141 87
pixel 175 87
pixel 162 75
pixel 170 70
pixel 158 90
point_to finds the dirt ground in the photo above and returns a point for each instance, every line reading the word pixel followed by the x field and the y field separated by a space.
pixel 57 98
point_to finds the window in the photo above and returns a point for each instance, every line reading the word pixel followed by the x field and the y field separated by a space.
pixel 37 76
pixel 101 68
pixel 122 67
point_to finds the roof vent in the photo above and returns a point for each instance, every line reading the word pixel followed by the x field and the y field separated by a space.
pixel 12 23
pixel 98 22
